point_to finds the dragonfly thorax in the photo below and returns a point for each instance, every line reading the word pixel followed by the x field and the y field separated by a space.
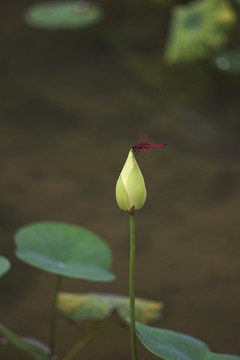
pixel 137 147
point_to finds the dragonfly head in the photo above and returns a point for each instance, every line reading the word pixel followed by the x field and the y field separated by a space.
pixel 134 148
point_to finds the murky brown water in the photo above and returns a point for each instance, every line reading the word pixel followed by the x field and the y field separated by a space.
pixel 71 103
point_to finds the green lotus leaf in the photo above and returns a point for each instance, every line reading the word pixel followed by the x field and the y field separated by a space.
pixel 227 61
pixel 31 347
pixel 4 265
pixel 171 345
pixel 63 15
pixel 64 249
pixel 99 306
pixel 197 29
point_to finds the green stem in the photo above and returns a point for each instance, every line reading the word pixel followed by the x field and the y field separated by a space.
pixel 54 314
pixel 131 286
pixel 76 348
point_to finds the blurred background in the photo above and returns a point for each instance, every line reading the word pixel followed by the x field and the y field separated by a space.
pixel 74 92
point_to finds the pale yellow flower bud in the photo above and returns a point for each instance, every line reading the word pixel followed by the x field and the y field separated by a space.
pixel 130 188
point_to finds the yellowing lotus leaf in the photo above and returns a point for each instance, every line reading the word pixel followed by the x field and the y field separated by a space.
pixel 99 306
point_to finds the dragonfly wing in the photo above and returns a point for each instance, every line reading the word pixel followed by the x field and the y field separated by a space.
pixel 144 137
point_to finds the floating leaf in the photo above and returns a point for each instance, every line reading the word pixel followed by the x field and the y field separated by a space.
pixel 171 345
pixel 4 265
pixel 197 29
pixel 99 306
pixel 63 14
pixel 64 249
pixel 227 61
pixel 37 350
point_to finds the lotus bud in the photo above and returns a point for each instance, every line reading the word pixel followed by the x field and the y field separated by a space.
pixel 130 188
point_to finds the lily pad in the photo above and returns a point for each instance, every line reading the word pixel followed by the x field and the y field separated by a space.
pixel 227 61
pixel 4 265
pixel 99 306
pixel 171 345
pixel 197 29
pixel 63 15
pixel 31 347
pixel 64 249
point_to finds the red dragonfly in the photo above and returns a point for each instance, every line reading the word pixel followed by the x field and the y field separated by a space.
pixel 144 142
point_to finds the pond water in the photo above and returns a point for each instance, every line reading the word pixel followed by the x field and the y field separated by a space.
pixel 71 105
